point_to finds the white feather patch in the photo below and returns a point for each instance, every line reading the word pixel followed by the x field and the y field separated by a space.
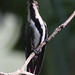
pixel 41 22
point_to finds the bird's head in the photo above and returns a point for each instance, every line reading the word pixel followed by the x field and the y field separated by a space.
pixel 33 4
pixel 33 10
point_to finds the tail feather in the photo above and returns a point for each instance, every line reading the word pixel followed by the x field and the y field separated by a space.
pixel 35 70
pixel 35 64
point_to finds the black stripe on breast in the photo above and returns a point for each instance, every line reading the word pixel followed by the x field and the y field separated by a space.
pixel 37 23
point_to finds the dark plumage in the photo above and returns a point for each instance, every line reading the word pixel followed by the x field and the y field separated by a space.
pixel 35 34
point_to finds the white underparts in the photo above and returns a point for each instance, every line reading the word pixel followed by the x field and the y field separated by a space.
pixel 40 21
pixel 37 34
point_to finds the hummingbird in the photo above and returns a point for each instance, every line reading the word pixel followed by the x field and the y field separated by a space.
pixel 35 34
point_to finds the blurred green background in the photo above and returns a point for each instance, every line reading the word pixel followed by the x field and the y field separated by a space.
pixel 60 52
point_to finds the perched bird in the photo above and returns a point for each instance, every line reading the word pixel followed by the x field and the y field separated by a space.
pixel 35 34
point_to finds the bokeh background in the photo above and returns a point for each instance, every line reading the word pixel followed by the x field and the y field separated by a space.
pixel 60 52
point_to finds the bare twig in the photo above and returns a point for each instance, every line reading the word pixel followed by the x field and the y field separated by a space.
pixel 21 70
pixel 51 36
pixel 18 72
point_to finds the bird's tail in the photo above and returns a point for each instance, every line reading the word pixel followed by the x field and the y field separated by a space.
pixel 35 64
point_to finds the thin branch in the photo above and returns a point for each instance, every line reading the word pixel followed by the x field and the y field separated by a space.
pixel 58 29
pixel 51 36
pixel 18 72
